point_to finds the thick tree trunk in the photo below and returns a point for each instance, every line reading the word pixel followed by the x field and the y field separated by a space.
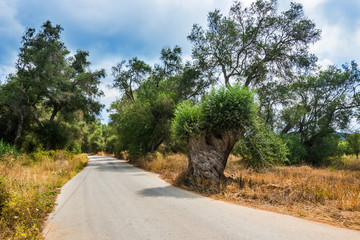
pixel 208 156
pixel 51 123
pixel 19 128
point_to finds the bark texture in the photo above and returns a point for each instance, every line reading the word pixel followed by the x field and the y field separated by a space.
pixel 208 156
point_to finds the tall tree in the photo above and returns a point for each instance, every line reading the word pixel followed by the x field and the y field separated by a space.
pixel 143 115
pixel 129 76
pixel 53 83
pixel 354 143
pixel 253 43
pixel 322 103
pixel 212 128
pixel 13 110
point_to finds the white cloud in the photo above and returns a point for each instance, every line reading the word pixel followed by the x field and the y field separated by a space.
pixel 5 70
pixel 338 44
pixel 140 18
pixel 9 26
pixel 311 4
pixel 111 95
pixel 324 63
pixel 10 30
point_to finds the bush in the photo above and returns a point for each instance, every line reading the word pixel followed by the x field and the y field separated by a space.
pixel 76 148
pixel 227 109
pixel 297 150
pixel 344 148
pixel 7 148
pixel 321 151
pixel 260 147
pixel 186 121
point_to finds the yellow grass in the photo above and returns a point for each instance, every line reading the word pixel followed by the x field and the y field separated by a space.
pixel 169 167
pixel 28 187
pixel 326 195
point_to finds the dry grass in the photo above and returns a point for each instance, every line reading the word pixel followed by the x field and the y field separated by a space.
pixel 105 154
pixel 170 167
pixel 28 187
pixel 326 195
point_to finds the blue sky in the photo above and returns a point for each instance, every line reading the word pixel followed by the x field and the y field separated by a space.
pixel 113 30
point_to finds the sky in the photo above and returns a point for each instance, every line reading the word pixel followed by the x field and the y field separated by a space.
pixel 115 30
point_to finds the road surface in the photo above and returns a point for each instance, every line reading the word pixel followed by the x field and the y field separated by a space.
pixel 110 199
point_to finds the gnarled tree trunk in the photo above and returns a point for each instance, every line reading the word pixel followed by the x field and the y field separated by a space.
pixel 208 156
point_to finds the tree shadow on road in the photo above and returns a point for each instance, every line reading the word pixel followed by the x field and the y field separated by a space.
pixel 168 191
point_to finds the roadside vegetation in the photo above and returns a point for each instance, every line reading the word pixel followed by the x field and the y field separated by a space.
pixel 320 194
pixel 251 117
pixel 29 184
pixel 48 110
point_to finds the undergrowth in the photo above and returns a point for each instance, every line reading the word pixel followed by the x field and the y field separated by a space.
pixel 28 187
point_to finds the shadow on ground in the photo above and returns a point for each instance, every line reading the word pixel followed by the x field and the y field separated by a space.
pixel 168 191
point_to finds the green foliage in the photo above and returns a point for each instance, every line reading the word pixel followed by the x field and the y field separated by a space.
pixel 255 42
pixel 227 109
pixel 47 90
pixel 260 147
pixel 344 148
pixel 130 75
pixel 133 129
pixel 297 150
pixel 96 139
pixel 353 141
pixel 186 121
pixel 7 148
pixel 232 110
pixel 323 149
pixel 142 118
pixel 142 126
pixel 76 147
pixel 318 105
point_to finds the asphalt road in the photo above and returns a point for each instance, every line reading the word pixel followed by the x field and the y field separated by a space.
pixel 110 199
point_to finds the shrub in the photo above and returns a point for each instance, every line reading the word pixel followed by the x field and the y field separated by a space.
pixel 297 150
pixel 260 147
pixel 321 151
pixel 7 148
pixel 227 109
pixel 186 121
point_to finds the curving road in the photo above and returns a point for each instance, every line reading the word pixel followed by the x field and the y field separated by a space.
pixel 110 199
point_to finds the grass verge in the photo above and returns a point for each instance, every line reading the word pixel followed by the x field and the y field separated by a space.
pixel 28 188
pixel 326 195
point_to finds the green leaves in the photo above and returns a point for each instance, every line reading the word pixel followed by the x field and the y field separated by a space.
pixel 129 76
pixel 227 109
pixel 253 43
pixel 186 121
pixel 231 110
pixel 48 87
pixel 260 147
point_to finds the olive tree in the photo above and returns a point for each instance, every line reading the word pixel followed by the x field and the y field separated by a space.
pixel 212 128
pixel 51 83
pixel 255 42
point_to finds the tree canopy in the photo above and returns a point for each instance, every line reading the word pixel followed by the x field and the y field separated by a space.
pixel 254 43
pixel 50 86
